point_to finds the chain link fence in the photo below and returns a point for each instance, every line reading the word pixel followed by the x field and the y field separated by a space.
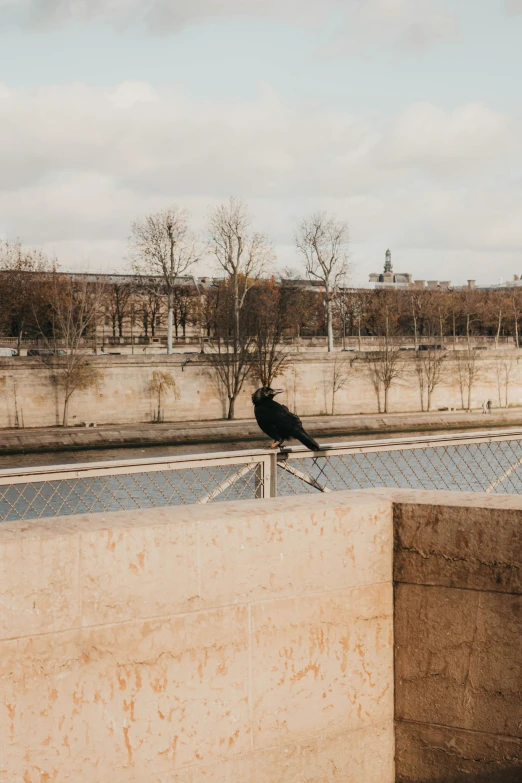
pixel 471 462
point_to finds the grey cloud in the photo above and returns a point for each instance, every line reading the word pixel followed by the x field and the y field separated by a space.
pixel 158 15
pixel 420 35
pixel 99 158
pixel 513 6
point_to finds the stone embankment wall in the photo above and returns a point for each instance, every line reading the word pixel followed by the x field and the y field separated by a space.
pixel 245 642
pixel 29 396
pixel 252 641
pixel 458 638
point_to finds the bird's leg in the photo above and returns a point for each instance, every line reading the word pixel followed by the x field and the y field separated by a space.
pixel 274 445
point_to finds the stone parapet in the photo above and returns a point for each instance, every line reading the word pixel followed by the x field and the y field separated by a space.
pixel 254 641
pixel 246 641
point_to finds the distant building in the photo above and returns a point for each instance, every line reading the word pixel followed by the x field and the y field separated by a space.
pixel 403 280
pixel 389 278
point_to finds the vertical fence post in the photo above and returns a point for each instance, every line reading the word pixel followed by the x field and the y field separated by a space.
pixel 260 474
pixel 273 474
pixel 266 475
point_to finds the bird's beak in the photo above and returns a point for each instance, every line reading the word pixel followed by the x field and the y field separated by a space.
pixel 276 391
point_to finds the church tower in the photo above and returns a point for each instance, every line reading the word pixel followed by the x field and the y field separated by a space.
pixel 389 278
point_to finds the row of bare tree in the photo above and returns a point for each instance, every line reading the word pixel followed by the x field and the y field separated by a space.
pixel 247 314
pixel 162 245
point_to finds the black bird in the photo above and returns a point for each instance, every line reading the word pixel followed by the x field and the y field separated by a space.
pixel 277 421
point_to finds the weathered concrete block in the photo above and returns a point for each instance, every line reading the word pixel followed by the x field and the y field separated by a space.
pixel 288 547
pixel 321 661
pixel 139 571
pixel 469 546
pixel 158 695
pixel 154 659
pixel 438 754
pixel 39 579
pixel 458 658
pixel 363 754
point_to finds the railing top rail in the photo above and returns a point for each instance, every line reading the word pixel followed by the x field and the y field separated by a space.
pixel 178 462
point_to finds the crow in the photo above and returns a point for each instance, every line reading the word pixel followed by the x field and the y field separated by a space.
pixel 277 421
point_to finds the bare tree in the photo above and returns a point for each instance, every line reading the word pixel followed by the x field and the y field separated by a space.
pixel 429 367
pixel 244 255
pixel 159 386
pixel 337 376
pixel 506 373
pixel 118 304
pixel 466 370
pixel 428 360
pixel 516 310
pixel 74 306
pixel 21 274
pixel 186 307
pixel 387 363
pixel 162 245
pixel 271 306
pixel 149 303
pixel 323 242
pixel 384 366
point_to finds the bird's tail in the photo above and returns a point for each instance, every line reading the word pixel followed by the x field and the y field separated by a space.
pixel 307 441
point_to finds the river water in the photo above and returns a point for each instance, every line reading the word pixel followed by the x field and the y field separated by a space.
pixel 9 461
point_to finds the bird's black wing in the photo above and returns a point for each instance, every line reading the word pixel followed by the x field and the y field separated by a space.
pixel 284 417
pixel 291 426
pixel 267 422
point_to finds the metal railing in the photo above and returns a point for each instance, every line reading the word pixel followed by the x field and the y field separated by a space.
pixel 468 461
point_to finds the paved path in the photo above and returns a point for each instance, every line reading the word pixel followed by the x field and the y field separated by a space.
pixel 45 439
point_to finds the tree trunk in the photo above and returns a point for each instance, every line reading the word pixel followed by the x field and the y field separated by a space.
pixel 170 317
pixel 19 340
pixel 415 335
pixel 429 400
pixel 329 323
pixel 385 399
pixel 498 328
pixel 231 407
pixel 65 411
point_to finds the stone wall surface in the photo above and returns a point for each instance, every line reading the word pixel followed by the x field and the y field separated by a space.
pixel 458 638
pixel 122 396
pixel 246 641
pixel 253 642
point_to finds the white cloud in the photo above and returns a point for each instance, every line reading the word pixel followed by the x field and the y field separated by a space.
pixel 410 24
pixel 513 6
pixel 79 163
pixel 160 15
pixel 448 145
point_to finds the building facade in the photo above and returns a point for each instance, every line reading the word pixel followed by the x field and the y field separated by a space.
pixel 388 278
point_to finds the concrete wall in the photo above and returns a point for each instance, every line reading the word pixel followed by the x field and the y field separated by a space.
pixel 122 395
pixel 247 642
pixel 458 638
pixel 252 642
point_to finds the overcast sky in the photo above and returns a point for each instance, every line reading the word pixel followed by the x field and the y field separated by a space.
pixel 402 117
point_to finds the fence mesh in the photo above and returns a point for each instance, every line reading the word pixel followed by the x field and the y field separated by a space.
pixel 126 492
pixel 472 466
